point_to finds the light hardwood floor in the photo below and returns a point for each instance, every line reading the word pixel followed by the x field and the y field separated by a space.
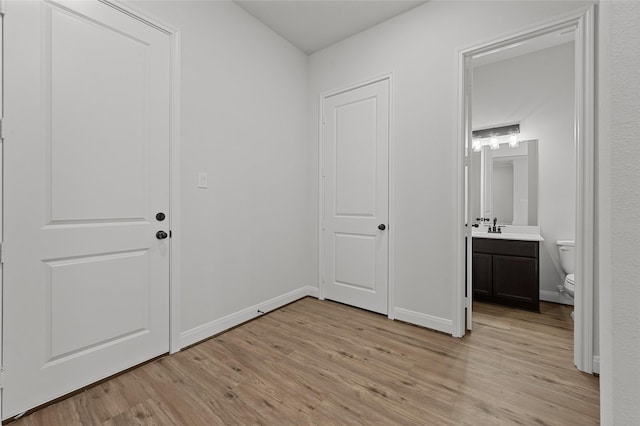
pixel 319 362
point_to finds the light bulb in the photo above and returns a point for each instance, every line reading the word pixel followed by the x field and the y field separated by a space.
pixel 513 141
pixel 477 146
pixel 494 143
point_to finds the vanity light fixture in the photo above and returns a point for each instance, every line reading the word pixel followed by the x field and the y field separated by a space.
pixel 494 133
pixel 513 141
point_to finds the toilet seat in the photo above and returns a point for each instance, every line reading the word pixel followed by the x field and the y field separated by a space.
pixel 570 284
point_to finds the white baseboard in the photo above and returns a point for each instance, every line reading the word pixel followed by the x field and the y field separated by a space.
pixel 424 320
pixel 212 328
pixel 596 364
pixel 313 291
pixel 555 297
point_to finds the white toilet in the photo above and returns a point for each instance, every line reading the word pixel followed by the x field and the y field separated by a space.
pixel 566 249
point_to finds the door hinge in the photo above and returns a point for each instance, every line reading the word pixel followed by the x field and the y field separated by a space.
pixel 467 303
pixel 1 252
pixel 2 129
pixel 467 163
pixel 2 378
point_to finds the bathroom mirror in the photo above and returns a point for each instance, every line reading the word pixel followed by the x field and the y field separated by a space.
pixel 506 183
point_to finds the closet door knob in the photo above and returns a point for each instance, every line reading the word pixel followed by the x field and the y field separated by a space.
pixel 161 235
pixel 382 227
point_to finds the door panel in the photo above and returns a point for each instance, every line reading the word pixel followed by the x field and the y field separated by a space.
pixel 356 182
pixel 355 158
pixel 355 260
pixel 92 288
pixel 80 78
pixel 86 282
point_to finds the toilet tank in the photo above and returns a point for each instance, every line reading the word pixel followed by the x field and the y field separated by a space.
pixel 566 248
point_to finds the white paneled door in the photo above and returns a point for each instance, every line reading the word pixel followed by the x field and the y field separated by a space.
pixel 86 152
pixel 356 196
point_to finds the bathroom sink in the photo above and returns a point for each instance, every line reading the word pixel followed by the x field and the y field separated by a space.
pixel 510 232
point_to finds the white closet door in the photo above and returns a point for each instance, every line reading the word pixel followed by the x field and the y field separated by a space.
pixel 86 280
pixel 356 198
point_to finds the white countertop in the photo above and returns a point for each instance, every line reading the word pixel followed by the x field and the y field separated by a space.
pixel 510 232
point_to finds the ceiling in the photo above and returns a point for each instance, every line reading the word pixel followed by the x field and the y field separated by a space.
pixel 312 25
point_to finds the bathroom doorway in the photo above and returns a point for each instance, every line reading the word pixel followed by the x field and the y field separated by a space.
pixel 526 132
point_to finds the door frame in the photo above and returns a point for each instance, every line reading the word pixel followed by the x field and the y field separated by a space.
pixel 2 201
pixel 392 193
pixel 175 209
pixel 583 20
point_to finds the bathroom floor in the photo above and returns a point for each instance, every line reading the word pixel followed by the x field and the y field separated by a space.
pixel 534 358
pixel 551 314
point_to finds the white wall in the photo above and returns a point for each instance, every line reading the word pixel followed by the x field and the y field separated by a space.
pixel 537 90
pixel 619 201
pixel 420 47
pixel 248 237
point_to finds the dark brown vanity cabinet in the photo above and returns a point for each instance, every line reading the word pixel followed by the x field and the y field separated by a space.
pixel 506 272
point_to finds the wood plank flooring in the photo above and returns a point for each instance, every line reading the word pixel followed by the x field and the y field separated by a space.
pixel 322 363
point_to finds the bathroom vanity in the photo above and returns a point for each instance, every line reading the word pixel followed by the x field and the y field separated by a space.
pixel 506 269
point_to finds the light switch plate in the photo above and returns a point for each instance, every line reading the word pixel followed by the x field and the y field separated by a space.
pixel 202 180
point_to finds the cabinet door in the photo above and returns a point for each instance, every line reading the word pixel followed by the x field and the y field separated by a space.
pixel 515 281
pixel 481 277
